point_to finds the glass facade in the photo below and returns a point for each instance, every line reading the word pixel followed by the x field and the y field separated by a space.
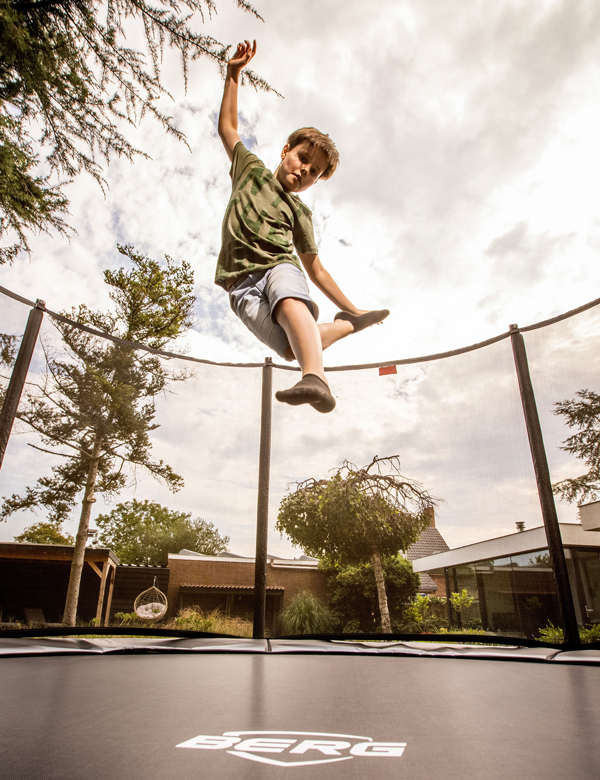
pixel 516 595
pixel 584 575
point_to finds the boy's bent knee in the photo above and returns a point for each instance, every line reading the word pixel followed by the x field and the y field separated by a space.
pixel 289 307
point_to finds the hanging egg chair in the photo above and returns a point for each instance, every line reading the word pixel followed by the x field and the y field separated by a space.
pixel 151 604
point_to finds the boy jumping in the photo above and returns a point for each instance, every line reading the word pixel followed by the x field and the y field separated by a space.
pixel 265 220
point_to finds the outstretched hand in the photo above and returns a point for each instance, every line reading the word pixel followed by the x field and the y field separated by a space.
pixel 243 54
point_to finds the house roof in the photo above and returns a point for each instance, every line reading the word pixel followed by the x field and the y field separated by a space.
pixel 304 561
pixel 427 583
pixel 430 542
pixel 531 540
pixel 225 587
pixel 54 552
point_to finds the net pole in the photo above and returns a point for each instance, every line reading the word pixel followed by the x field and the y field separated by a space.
pixel 544 486
pixel 262 511
pixel 19 375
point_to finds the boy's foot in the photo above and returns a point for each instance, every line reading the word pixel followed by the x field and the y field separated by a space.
pixel 362 321
pixel 312 390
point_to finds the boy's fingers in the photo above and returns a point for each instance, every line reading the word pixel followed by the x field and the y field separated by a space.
pixel 245 51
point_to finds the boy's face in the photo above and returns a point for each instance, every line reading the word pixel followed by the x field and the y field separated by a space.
pixel 300 167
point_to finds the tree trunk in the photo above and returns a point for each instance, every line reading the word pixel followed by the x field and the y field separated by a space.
pixel 386 625
pixel 70 614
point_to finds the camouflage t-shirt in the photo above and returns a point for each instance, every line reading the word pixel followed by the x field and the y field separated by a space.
pixel 263 223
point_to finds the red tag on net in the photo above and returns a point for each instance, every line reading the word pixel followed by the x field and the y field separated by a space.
pixel 384 370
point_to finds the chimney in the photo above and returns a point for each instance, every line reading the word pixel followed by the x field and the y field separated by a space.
pixel 520 526
pixel 430 514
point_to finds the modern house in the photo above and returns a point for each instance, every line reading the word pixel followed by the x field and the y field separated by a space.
pixel 511 579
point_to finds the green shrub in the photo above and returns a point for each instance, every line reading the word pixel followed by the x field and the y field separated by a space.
pixel 305 614
pixel 590 633
pixel 418 618
pixel 127 618
pixel 552 633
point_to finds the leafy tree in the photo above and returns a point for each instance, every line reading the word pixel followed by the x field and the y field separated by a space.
pixel 44 533
pixel 95 408
pixel 353 592
pixel 357 516
pixel 305 614
pixel 144 533
pixel 461 601
pixel 583 413
pixel 68 75
pixel 417 615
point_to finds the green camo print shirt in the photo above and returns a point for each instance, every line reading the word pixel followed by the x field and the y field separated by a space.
pixel 263 223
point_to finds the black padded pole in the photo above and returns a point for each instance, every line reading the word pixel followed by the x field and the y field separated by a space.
pixel 544 486
pixel 262 512
pixel 19 375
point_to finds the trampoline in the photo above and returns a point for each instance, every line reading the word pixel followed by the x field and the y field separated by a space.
pixel 225 708
pixel 476 426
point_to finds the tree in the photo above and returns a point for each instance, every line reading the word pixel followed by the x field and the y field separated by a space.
pixel 95 407
pixel 68 76
pixel 44 533
pixel 582 412
pixel 461 602
pixel 356 516
pixel 353 591
pixel 144 533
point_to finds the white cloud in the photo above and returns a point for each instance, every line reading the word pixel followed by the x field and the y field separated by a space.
pixel 466 200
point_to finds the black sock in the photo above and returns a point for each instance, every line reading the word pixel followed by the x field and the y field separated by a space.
pixel 361 321
pixel 312 390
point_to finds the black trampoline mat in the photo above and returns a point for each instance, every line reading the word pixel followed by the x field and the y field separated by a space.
pixel 123 717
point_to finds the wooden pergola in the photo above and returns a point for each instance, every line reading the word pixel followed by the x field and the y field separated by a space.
pixel 102 561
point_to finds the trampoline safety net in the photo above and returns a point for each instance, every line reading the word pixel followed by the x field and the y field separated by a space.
pixel 455 421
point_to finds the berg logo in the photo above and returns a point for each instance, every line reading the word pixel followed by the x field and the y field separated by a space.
pixel 295 748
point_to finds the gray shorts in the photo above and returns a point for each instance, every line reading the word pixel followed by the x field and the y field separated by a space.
pixel 255 296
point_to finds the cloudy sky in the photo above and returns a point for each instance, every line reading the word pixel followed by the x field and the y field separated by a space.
pixel 466 200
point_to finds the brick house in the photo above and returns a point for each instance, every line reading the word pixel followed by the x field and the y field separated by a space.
pixel 429 543
pixel 226 582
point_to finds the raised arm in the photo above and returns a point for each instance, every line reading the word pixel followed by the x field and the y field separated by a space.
pixel 322 279
pixel 228 116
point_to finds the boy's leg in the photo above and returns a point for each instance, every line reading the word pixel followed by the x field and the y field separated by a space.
pixel 345 323
pixel 331 332
pixel 303 334
pixel 305 342
pixel 334 331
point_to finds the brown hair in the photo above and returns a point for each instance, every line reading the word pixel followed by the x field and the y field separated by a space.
pixel 322 141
